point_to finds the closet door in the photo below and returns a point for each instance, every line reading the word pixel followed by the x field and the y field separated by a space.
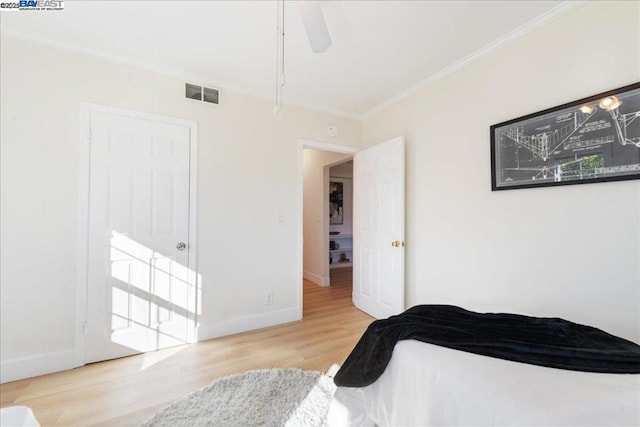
pixel 139 295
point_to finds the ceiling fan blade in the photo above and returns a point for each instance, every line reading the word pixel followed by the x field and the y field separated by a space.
pixel 315 25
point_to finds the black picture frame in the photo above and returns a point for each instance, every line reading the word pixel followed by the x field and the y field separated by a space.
pixel 336 208
pixel 594 139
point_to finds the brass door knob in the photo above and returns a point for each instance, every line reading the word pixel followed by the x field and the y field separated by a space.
pixel 397 244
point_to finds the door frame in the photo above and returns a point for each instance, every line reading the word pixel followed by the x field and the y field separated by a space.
pixel 315 145
pixel 84 191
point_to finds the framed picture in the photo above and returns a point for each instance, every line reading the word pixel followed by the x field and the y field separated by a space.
pixel 336 194
pixel 593 139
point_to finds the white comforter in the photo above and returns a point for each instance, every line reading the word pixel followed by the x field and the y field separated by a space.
pixel 429 385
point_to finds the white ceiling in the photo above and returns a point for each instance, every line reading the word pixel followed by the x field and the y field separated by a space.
pixel 380 49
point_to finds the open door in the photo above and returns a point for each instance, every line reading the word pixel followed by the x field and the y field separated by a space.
pixel 378 229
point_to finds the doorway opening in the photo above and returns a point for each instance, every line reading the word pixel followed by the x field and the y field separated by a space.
pixel 326 188
pixel 378 229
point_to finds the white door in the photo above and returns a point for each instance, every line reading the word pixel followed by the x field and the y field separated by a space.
pixel 378 227
pixel 140 293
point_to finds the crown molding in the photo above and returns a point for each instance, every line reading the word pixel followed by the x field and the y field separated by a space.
pixel 177 73
pixel 187 76
pixel 497 44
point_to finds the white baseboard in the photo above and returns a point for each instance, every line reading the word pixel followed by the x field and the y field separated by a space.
pixel 17 369
pixel 248 323
pixel 315 278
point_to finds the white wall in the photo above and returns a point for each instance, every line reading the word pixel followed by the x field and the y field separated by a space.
pixel 247 164
pixel 570 251
pixel 315 214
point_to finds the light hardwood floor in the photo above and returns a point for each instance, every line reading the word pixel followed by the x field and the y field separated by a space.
pixel 127 391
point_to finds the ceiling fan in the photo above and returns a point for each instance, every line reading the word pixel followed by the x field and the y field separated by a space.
pixel 314 25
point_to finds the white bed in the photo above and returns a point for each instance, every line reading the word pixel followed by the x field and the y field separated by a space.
pixel 429 385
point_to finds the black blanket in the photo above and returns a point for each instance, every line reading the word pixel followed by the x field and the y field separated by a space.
pixel 550 342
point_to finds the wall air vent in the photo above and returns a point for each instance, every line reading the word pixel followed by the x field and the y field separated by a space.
pixel 201 93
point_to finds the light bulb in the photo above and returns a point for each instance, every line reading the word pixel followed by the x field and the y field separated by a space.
pixel 587 109
pixel 610 103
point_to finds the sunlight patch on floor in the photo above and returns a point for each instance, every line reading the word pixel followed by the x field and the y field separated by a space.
pixel 333 369
pixel 150 359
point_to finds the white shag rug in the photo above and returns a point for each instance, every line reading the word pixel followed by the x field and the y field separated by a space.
pixel 269 397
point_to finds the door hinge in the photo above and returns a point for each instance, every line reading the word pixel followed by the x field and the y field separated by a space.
pixel 89 136
pixel 86 328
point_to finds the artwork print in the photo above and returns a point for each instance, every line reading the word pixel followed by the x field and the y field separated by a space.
pixel 591 140
pixel 336 194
